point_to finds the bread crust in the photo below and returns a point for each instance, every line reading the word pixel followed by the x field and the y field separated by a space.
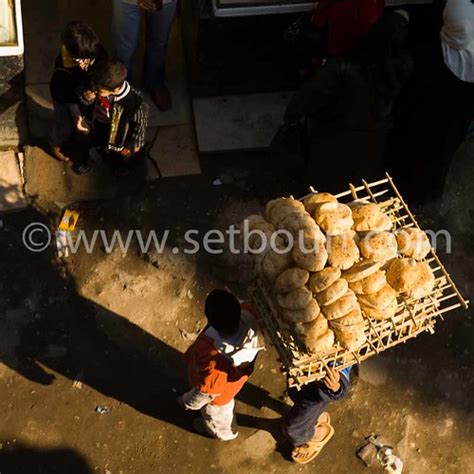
pixel 313 201
pixel 402 274
pixel 361 270
pixel 333 293
pixel 379 300
pixel 414 243
pixel 379 246
pixel 380 314
pixel 291 279
pixel 323 279
pixel 341 307
pixel 371 284
pixel 332 219
pixel 343 252
pixel 305 315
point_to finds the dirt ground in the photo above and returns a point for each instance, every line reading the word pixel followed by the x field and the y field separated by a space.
pixel 109 330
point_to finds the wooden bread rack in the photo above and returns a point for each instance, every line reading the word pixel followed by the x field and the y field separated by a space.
pixel 412 318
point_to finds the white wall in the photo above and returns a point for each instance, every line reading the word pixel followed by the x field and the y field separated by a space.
pixel 11 28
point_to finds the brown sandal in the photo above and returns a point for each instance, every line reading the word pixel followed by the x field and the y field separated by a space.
pixel 307 452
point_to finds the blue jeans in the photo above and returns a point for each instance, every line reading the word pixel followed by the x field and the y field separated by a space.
pixel 309 402
pixel 126 30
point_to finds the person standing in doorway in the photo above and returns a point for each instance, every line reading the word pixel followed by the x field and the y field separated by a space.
pixel 159 16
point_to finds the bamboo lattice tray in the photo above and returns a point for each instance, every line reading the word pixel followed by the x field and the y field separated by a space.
pixel 412 317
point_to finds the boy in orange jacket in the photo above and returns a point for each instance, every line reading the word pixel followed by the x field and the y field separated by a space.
pixel 219 362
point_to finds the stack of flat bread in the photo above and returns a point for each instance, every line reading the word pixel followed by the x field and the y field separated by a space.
pixel 301 310
pixel 332 265
pixel 339 304
pixel 378 300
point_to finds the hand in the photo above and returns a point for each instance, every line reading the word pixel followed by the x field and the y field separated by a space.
pixel 80 126
pixel 332 380
pixel 89 95
pixel 151 5
pixel 85 64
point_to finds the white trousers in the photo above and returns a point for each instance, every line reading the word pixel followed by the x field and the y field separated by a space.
pixel 219 420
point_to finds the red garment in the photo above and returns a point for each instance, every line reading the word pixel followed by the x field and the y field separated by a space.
pixel 102 109
pixel 213 373
pixel 346 21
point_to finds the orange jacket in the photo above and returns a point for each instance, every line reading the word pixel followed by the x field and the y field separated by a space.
pixel 212 372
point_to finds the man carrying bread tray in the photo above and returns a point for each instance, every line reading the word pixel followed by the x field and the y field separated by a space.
pixel 307 426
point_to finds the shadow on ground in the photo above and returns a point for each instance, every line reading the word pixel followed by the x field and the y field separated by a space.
pixel 17 458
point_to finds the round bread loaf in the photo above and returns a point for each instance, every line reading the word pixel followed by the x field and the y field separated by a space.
pixel 354 317
pixel 261 242
pixel 353 320
pixel 305 315
pixel 312 202
pixel 425 282
pixel 341 307
pixel 334 221
pixel 370 284
pixel 342 251
pixel 414 243
pixel 383 224
pixel 380 314
pixel 291 279
pixel 271 204
pixel 360 270
pixel 402 274
pixel 280 213
pixel 296 299
pixel 365 216
pixel 281 208
pixel 255 221
pixel 256 240
pixel 310 253
pixel 273 263
pixel 333 293
pixel 323 279
pixel 351 339
pixel 314 329
pixel 378 246
pixel 379 300
pixel 302 222
pixel 322 344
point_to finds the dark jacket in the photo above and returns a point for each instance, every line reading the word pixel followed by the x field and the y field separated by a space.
pixel 68 77
pixel 128 121
pixel 347 106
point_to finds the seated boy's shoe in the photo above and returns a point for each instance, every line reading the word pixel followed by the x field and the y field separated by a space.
pixel 161 98
pixel 58 154
pixel 81 168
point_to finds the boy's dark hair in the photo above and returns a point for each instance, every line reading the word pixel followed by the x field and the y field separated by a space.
pixel 108 75
pixel 80 40
pixel 223 311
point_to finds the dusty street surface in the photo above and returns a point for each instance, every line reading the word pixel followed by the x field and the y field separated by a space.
pixel 106 329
